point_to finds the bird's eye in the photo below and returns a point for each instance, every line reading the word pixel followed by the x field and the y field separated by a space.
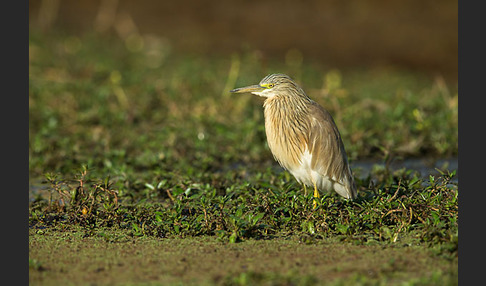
pixel 270 85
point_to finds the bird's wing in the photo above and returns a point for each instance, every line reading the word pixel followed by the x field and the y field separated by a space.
pixel 325 144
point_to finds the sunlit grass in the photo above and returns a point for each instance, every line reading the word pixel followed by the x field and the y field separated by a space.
pixel 137 139
pixel 98 103
pixel 94 102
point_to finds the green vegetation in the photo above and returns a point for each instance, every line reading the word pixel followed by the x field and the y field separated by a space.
pixel 135 149
pixel 71 257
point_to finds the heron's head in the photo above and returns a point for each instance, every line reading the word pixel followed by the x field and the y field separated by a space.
pixel 272 85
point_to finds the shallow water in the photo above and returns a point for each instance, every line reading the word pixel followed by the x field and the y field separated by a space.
pixel 425 166
pixel 361 169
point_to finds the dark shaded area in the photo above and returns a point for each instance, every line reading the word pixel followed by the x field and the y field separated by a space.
pixel 414 34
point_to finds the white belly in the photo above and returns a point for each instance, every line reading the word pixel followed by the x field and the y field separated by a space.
pixel 308 176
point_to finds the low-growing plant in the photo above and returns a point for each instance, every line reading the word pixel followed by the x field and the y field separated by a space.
pixel 411 210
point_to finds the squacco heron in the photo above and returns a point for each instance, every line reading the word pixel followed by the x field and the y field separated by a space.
pixel 303 137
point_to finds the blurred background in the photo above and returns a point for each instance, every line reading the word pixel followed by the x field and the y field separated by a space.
pixel 412 34
pixel 130 86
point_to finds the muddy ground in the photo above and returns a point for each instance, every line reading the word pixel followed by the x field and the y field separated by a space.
pixel 58 257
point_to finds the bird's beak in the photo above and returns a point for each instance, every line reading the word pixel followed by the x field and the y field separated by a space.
pixel 251 88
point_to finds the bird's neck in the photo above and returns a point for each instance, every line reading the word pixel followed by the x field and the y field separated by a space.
pixel 284 126
pixel 286 105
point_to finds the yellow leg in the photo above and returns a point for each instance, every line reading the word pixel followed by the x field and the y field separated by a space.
pixel 305 190
pixel 316 195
